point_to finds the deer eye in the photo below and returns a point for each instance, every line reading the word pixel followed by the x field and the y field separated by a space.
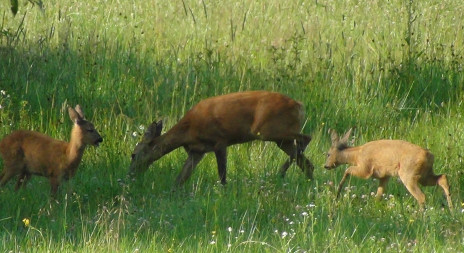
pixel 90 130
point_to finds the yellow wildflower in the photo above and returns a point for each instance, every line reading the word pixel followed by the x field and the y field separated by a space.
pixel 26 222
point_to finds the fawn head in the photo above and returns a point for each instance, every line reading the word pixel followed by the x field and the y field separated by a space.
pixel 86 130
pixel 145 152
pixel 338 145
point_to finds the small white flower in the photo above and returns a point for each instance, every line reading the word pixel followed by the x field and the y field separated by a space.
pixel 304 213
pixel 212 242
pixel 229 229
pixel 284 234
pixel 3 92
pixel 134 134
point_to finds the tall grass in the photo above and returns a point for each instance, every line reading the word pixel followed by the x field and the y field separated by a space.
pixel 392 69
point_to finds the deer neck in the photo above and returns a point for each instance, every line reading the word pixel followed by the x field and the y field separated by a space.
pixel 175 137
pixel 349 156
pixel 75 148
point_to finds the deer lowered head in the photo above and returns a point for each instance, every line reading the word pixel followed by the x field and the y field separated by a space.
pixel 146 151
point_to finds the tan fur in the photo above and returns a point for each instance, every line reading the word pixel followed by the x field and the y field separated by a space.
pixel 27 152
pixel 218 122
pixel 383 159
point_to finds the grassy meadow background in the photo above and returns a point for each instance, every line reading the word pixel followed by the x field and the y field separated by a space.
pixel 392 69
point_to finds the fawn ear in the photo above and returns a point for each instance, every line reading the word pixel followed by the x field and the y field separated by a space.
pixel 74 115
pixel 333 136
pixel 345 138
pixel 79 111
pixel 154 130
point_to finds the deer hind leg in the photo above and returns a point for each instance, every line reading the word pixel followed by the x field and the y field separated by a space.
pixel 294 149
pixel 291 149
pixel 303 162
pixel 221 159
pixel 192 161
pixel 442 181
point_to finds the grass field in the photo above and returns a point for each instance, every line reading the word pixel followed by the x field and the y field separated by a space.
pixel 392 69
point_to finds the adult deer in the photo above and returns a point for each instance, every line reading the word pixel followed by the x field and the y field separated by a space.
pixel 26 153
pixel 218 122
pixel 383 159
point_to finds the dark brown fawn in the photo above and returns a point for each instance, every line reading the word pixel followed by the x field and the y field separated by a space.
pixel 383 159
pixel 26 153
pixel 218 122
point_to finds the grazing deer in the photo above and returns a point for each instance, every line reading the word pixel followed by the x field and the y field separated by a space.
pixel 383 159
pixel 27 152
pixel 218 122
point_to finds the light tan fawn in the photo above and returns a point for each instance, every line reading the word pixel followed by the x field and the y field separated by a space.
pixel 218 122
pixel 383 159
pixel 26 153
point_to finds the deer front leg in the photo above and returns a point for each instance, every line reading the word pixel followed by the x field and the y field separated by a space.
pixel 345 176
pixel 221 159
pixel 54 183
pixel 381 189
pixel 192 160
pixel 355 171
pixel 22 180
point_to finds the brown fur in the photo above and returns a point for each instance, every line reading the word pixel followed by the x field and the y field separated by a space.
pixel 218 122
pixel 27 152
pixel 383 159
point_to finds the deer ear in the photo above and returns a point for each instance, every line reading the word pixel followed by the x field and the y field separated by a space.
pixel 333 136
pixel 345 138
pixel 159 128
pixel 74 115
pixel 79 111
pixel 154 130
